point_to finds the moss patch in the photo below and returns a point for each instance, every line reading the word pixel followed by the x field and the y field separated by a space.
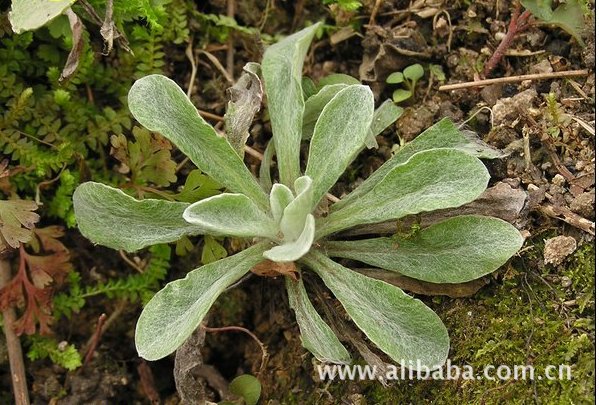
pixel 531 315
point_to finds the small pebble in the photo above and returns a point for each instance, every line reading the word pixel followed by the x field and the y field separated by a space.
pixel 558 248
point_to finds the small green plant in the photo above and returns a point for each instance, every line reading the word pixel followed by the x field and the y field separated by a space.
pixel 247 388
pixel 292 226
pixel 409 77
pixel 62 354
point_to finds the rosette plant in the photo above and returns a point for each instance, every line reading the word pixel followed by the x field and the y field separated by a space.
pixel 293 222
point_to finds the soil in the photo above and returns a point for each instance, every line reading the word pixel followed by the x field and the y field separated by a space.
pixel 534 310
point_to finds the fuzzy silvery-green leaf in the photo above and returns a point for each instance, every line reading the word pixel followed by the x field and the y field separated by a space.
pixel 456 250
pixel 337 78
pixel 160 105
pixel 282 72
pixel 294 215
pixel 170 317
pixel 292 251
pixel 316 335
pixel 315 105
pixel 27 15
pixel 280 198
pixel 339 135
pixel 231 215
pixel 428 181
pixel 265 179
pixel 401 326
pixel 109 217
pixel 444 134
pixel 386 114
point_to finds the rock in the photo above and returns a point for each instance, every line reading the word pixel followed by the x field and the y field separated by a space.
pixel 558 248
pixel 508 109
pixel 583 204
pixel 542 67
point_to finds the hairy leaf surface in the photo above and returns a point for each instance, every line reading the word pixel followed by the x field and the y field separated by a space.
pixel 109 217
pixel 231 215
pixel 428 181
pixel 292 251
pixel 160 105
pixel 401 326
pixel 314 106
pixel 282 71
pixel 177 310
pixel 444 134
pixel 339 135
pixel 315 334
pixel 456 250
pixel 27 15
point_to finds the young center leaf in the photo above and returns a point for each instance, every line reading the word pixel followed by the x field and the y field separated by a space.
pixel 109 217
pixel 401 326
pixel 292 251
pixel 456 250
pixel 231 215
pixel 339 135
pixel 176 311
pixel 315 334
pixel 282 72
pixel 160 105
pixel 428 181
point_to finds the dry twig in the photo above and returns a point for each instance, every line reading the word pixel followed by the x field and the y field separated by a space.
pixel 13 345
pixel 515 79
pixel 246 331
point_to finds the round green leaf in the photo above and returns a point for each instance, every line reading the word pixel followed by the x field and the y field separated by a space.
pixel 414 72
pixel 395 78
pixel 248 387
pixel 400 95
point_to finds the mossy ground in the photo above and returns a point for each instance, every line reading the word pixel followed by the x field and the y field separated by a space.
pixel 530 314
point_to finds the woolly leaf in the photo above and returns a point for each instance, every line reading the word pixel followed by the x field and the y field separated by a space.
pixel 314 106
pixel 428 181
pixel 27 15
pixel 315 334
pixel 282 72
pixel 339 135
pixel 109 217
pixel 456 250
pixel 401 326
pixel 160 105
pixel 292 251
pixel 444 134
pixel 231 215
pixel 177 310
pixel 386 114
pixel 295 213
pixel 280 198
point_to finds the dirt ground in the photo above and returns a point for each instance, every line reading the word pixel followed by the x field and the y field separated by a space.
pixel 539 309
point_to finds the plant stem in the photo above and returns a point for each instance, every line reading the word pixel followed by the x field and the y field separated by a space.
pixel 13 344
pixel 518 23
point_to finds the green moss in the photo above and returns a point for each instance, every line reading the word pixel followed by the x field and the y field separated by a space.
pixel 531 314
